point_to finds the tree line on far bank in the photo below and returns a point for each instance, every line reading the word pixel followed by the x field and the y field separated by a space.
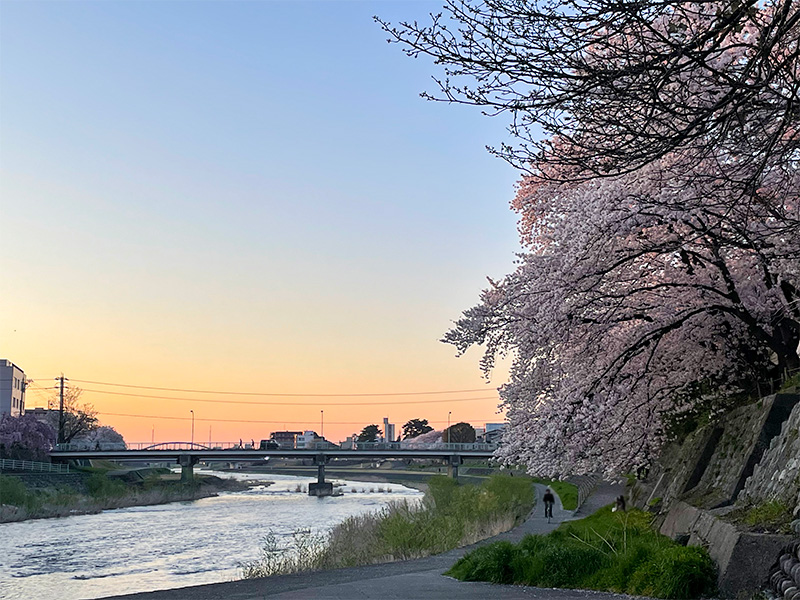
pixel 458 433
pixel 30 437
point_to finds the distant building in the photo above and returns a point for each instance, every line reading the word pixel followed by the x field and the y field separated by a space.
pixel 45 415
pixel 494 432
pixel 306 439
pixel 12 389
pixel 309 440
pixel 388 430
pixel 351 443
pixel 286 439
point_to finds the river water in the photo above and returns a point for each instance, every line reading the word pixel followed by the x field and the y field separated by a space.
pixel 147 548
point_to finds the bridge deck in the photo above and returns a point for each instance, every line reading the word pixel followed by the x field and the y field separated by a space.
pixel 225 455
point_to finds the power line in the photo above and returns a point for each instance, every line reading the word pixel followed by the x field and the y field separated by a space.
pixel 107 414
pixel 163 389
pixel 289 403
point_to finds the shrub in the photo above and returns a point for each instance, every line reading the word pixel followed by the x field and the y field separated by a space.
pixel 100 486
pixel 615 552
pixel 492 563
pixel 13 491
pixel 675 572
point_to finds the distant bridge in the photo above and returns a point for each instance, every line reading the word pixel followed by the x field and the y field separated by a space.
pixel 187 455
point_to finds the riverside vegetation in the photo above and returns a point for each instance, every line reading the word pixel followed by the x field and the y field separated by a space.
pixel 99 491
pixel 613 552
pixel 450 515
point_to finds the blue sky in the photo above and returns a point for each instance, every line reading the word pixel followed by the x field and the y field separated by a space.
pixel 239 194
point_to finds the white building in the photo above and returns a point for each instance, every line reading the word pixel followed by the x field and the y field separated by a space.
pixel 306 440
pixel 388 430
pixel 309 440
pixel 12 389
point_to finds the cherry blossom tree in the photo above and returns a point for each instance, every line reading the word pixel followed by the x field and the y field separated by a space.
pixel 104 437
pixel 601 87
pixel 431 437
pixel 659 211
pixel 639 298
pixel 25 438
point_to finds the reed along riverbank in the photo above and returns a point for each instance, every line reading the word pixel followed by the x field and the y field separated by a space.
pixel 450 515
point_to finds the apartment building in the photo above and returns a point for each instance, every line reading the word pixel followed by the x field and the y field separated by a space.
pixel 12 389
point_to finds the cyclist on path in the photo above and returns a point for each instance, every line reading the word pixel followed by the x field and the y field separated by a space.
pixel 549 500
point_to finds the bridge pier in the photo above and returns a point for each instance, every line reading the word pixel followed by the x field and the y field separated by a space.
pixel 452 466
pixel 322 487
pixel 187 463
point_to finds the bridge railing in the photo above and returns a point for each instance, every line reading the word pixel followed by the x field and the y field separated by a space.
pixel 82 446
pixel 432 446
pixel 399 446
pixel 250 445
pixel 7 464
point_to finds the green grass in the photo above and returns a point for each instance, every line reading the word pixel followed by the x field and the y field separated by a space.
pixel 450 515
pixel 793 381
pixel 14 492
pixel 566 491
pixel 101 486
pixel 771 516
pixel 614 552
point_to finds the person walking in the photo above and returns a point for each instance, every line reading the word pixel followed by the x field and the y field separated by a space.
pixel 549 500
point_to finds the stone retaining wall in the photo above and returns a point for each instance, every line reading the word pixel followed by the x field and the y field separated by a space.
pixel 748 458
pixel 744 559
pixel 777 476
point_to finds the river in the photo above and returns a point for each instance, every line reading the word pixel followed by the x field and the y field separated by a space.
pixel 173 545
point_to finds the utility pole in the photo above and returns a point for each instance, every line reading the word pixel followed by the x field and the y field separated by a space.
pixel 450 412
pixel 322 424
pixel 191 411
pixel 61 379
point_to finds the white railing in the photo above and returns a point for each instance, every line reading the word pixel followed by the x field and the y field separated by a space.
pixel 7 464
pixel 433 446
pixel 256 444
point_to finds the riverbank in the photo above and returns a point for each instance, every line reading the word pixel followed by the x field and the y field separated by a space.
pixel 174 545
pixel 414 478
pixel 48 496
pixel 450 515
pixel 413 579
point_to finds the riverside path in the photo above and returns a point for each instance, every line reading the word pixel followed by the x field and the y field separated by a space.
pixel 414 579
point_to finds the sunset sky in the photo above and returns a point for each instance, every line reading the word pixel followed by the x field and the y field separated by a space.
pixel 241 197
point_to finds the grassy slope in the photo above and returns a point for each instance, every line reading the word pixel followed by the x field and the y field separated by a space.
pixel 101 493
pixel 615 552
pixel 451 515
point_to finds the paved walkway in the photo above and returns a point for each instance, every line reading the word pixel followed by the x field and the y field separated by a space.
pixel 414 579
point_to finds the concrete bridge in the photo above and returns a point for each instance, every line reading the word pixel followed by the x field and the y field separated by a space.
pixel 189 455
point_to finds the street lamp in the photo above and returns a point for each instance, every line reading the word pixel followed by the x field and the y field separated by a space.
pixel 191 411
pixel 449 412
pixel 322 424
